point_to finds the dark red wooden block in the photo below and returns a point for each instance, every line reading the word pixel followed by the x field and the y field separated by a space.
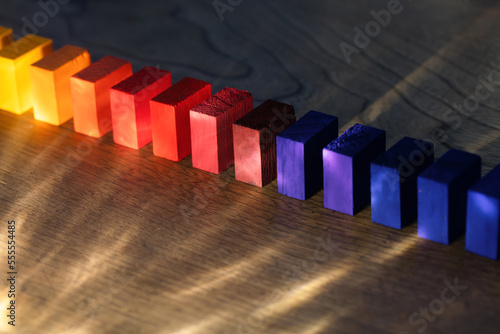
pixel 170 117
pixel 211 128
pixel 130 108
pixel 255 141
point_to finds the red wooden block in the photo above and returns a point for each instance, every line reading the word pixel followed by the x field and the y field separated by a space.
pixel 91 98
pixel 130 108
pixel 255 141
pixel 212 131
pixel 170 117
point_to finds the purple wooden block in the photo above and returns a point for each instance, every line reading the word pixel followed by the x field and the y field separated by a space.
pixel 299 154
pixel 346 168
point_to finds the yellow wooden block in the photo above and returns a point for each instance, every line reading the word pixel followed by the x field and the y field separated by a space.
pixel 5 37
pixel 50 78
pixel 15 60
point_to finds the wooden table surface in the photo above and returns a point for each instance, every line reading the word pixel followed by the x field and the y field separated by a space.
pixel 113 240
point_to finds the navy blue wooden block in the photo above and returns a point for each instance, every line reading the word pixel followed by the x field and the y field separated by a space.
pixel 483 216
pixel 442 195
pixel 346 168
pixel 394 181
pixel 299 154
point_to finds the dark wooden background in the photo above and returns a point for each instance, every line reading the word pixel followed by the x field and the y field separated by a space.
pixel 112 240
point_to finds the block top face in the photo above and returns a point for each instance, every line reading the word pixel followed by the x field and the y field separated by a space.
pixel 103 66
pixel 354 139
pixel 307 126
pixel 60 57
pixel 490 184
pixel 450 166
pixel 22 46
pixel 264 115
pixel 180 91
pixel 140 80
pixel 219 103
pixel 402 148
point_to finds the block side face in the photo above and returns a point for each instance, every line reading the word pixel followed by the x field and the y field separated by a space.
pixel 142 103
pixel 9 95
pixel 44 96
pixel 204 144
pixel 385 196
pixel 123 119
pixel 225 130
pixel 313 159
pixel 290 161
pixel 182 111
pixel 457 198
pixel 84 107
pixel 482 232
pixel 408 187
pixel 23 77
pixel 247 157
pixel 164 135
pixel 16 94
pixel 361 170
pixel 338 182
pixel 433 211
pixel 239 108
pixel 62 76
pixel 102 96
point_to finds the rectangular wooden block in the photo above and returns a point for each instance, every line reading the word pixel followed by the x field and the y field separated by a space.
pixel 130 106
pixel 483 216
pixel 212 128
pixel 170 117
pixel 346 168
pixel 50 79
pixel 442 195
pixel 255 141
pixel 394 181
pixel 299 154
pixel 16 94
pixel 6 37
pixel 91 98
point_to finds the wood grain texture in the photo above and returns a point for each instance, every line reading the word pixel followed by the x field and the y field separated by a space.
pixel 114 240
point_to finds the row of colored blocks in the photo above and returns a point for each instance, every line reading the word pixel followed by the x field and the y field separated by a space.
pixel 263 143
pixel 179 119
pixel 403 183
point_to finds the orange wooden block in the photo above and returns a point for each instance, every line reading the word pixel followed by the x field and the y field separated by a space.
pixel 15 82
pixel 5 37
pixel 91 96
pixel 50 78
pixel 130 109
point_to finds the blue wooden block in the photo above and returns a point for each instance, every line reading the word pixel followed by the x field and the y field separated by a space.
pixel 346 168
pixel 483 216
pixel 299 154
pixel 442 195
pixel 394 181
